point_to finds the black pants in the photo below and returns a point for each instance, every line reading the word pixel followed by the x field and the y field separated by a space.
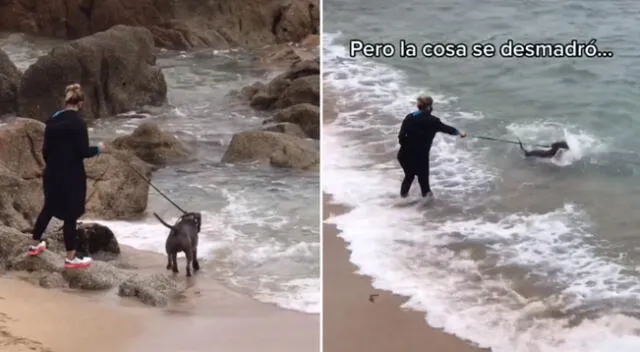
pixel 414 165
pixel 69 229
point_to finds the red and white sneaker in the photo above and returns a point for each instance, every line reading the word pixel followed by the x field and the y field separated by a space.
pixel 37 249
pixel 77 263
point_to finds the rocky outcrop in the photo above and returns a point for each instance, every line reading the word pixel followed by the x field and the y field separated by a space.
pixel 47 270
pixel 284 55
pixel 294 19
pixel 294 96
pixel 305 115
pixel 114 189
pixel 279 149
pixel 152 145
pixel 177 24
pixel 116 69
pixel 300 84
pixel 9 82
pixel 286 128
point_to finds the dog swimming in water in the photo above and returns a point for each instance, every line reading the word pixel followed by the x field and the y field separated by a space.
pixel 183 237
pixel 556 147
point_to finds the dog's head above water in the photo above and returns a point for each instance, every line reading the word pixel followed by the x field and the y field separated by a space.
pixel 192 217
pixel 187 219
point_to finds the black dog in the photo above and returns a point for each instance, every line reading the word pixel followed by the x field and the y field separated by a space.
pixel 540 153
pixel 183 237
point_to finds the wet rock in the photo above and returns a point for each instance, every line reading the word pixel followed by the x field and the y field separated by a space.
pixel 299 84
pixel 98 276
pixel 46 261
pixel 278 149
pixel 263 100
pixel 9 82
pixel 305 115
pixel 301 90
pixel 116 69
pixel 249 91
pixel 302 69
pixel 154 290
pixel 114 190
pixel 284 55
pixel 53 280
pixel 286 128
pixel 94 240
pixel 12 242
pixel 175 24
pixel 276 87
pixel 154 146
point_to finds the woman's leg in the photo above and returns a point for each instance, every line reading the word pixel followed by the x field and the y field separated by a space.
pixel 409 173
pixel 70 233
pixel 42 222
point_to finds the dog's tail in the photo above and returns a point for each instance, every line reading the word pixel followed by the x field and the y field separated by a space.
pixel 163 222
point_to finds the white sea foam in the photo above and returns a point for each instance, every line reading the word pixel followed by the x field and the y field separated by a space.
pixel 260 265
pixel 412 255
pixel 581 143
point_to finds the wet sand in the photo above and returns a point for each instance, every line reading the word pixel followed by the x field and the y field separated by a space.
pixel 208 317
pixel 351 322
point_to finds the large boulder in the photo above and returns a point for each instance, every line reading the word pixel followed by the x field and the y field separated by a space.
pixel 301 90
pixel 279 149
pixel 305 115
pixel 9 82
pixel 152 145
pixel 176 24
pixel 116 69
pixel 115 191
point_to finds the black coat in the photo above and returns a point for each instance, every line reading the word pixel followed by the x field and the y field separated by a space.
pixel 416 137
pixel 418 131
pixel 66 145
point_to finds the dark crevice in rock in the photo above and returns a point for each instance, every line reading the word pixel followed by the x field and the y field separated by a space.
pixel 276 20
pixel 86 7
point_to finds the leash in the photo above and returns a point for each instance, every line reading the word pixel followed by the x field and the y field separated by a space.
pixel 507 141
pixel 156 188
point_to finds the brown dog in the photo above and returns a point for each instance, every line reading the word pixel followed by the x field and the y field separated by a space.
pixel 183 237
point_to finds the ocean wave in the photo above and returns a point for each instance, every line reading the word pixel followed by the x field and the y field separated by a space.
pixel 510 280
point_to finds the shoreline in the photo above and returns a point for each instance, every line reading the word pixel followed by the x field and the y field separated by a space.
pixel 206 314
pixel 351 322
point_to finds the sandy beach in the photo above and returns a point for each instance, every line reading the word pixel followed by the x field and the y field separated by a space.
pixel 208 317
pixel 351 322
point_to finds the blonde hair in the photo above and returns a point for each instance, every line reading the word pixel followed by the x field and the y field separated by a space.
pixel 73 94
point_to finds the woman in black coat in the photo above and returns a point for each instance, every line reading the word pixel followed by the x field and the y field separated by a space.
pixel 66 145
